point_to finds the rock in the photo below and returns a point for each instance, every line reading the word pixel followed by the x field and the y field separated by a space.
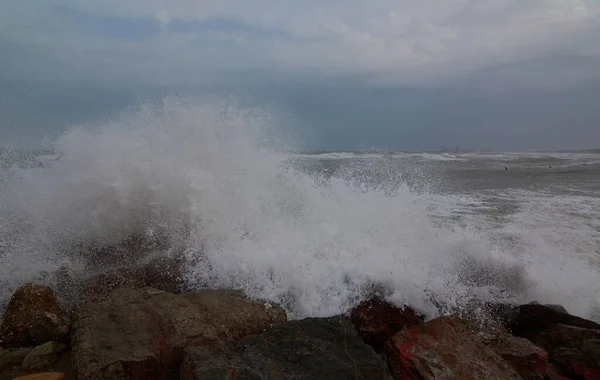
pixel 43 356
pixel 162 273
pixel 141 333
pixel 33 316
pixel 43 376
pixel 313 348
pixel 46 327
pixel 12 357
pixel 575 351
pixel 527 321
pixel 558 308
pixel 377 320
pixel 528 360
pixel 441 349
pixel 554 373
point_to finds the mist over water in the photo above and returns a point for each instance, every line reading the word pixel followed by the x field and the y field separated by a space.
pixel 212 182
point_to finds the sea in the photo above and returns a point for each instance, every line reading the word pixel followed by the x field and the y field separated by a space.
pixel 316 232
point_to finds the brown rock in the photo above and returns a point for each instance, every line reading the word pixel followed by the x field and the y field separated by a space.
pixel 12 357
pixel 33 316
pixel 527 321
pixel 141 334
pixel 44 356
pixel 312 348
pixel 575 351
pixel 444 349
pixel 528 360
pixel 43 376
pixel 377 320
pixel 162 273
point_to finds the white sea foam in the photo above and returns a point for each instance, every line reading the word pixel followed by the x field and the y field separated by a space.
pixel 251 222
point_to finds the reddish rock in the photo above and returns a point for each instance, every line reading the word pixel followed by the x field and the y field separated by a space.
pixel 444 349
pixel 527 321
pixel 33 317
pixel 575 351
pixel 530 361
pixel 377 320
pixel 554 373
pixel 141 334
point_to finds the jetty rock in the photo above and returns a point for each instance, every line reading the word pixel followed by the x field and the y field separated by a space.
pixel 377 320
pixel 142 333
pixel 33 316
pixel 308 349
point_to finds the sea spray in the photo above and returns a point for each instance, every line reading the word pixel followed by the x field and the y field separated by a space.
pixel 200 177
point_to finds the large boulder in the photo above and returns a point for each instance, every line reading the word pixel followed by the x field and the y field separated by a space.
pixel 163 273
pixel 527 359
pixel 33 317
pixel 141 333
pixel 441 349
pixel 313 348
pixel 575 351
pixel 527 321
pixel 377 320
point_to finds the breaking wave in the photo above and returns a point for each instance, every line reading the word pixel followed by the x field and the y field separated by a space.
pixel 200 179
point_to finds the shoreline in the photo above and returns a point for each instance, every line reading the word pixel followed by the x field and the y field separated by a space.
pixel 142 323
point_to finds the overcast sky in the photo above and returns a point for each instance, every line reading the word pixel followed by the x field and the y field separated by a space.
pixel 508 74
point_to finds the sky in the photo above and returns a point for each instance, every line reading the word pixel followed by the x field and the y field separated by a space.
pixel 407 74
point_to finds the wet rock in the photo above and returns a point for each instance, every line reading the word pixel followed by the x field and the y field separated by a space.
pixel 575 351
pixel 44 356
pixel 554 373
pixel 441 349
pixel 12 357
pixel 43 376
pixel 162 273
pixel 377 320
pixel 527 321
pixel 558 308
pixel 33 316
pixel 528 360
pixel 141 333
pixel 313 348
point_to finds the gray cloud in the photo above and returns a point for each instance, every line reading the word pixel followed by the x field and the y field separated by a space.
pixel 400 42
pixel 402 74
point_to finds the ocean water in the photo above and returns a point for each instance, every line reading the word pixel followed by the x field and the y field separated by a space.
pixel 314 232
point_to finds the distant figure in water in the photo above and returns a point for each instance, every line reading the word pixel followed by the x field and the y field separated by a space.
pixel 506 168
pixel 550 166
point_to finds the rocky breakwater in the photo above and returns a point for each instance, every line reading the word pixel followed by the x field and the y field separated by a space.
pixel 134 324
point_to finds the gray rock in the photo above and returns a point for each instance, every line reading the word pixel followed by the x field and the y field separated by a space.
pixel 309 349
pixel 44 356
pixel 12 357
pixel 575 351
pixel 527 321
